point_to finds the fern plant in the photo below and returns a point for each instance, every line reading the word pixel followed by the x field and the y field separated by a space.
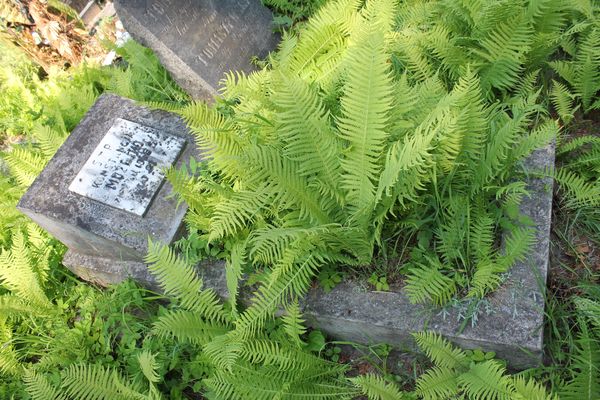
pixel 318 159
pixel 455 376
pixel 266 367
pixel 578 180
pixel 581 71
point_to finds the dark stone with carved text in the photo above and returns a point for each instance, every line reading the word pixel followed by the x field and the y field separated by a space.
pixel 198 41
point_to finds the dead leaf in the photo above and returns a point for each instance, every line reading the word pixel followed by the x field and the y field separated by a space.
pixel 583 248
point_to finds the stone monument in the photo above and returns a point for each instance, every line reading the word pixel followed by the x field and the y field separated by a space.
pixel 104 194
pixel 200 40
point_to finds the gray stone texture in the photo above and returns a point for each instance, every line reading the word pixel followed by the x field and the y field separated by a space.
pixel 198 41
pixel 109 245
pixel 513 328
pixel 89 227
pixel 510 324
pixel 108 271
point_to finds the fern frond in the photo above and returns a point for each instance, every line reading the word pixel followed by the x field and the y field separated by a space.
pixel 481 237
pixel 440 351
pixel 367 97
pixel 267 383
pixel 590 309
pixel 13 306
pixel 285 358
pixel 578 192
pixel 585 379
pixel 149 366
pixel 280 175
pixel 9 358
pixel 437 383
pixel 427 282
pixel 562 100
pixel 304 125
pixel 577 143
pixel 517 244
pixel 186 187
pixel 178 279
pixel 94 382
pixel 237 211
pixel 216 137
pixel 291 277
pixel 486 380
pixel 293 323
pixel 268 245
pixel 25 165
pixel 233 272
pixel 543 134
pixel 187 327
pixel 503 52
pixel 377 388
pixel 18 275
pixel 39 388
pixel 530 390
pixel 485 279
pixel 412 154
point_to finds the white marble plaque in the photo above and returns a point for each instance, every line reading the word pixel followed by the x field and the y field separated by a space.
pixel 126 169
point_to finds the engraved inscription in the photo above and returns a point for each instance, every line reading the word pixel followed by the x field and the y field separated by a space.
pixel 200 40
pixel 126 168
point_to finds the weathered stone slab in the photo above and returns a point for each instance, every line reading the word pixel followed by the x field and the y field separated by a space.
pixel 107 245
pixel 510 322
pixel 199 41
pixel 118 224
pixel 108 271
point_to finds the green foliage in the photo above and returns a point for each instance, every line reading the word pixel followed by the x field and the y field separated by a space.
pixel 376 388
pixel 379 282
pixel 376 119
pixel 457 375
pixel 578 179
pixel 293 10
pixel 581 70
pixel 356 126
pixel 48 320
pixel 582 375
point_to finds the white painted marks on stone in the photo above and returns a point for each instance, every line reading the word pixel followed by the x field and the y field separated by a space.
pixel 126 169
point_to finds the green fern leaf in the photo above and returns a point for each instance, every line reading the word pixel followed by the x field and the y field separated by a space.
pixel 427 282
pixel 486 381
pixel 178 279
pixel 187 327
pixel 377 388
pixel 367 97
pixel 94 382
pixel 585 381
pixel 437 383
pixel 39 388
pixel 440 351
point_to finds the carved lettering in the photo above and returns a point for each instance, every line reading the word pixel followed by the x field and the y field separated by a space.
pixel 126 169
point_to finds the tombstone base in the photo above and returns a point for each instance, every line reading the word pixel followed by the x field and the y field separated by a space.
pixel 107 271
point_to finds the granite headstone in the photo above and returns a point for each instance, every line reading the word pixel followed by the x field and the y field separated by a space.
pixel 104 194
pixel 198 41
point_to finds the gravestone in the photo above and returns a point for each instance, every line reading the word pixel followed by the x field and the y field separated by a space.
pixel 104 194
pixel 200 40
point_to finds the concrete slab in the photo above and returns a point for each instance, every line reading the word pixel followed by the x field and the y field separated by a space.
pixel 510 322
pixel 88 226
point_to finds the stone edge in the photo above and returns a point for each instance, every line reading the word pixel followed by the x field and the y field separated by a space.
pixel 351 312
